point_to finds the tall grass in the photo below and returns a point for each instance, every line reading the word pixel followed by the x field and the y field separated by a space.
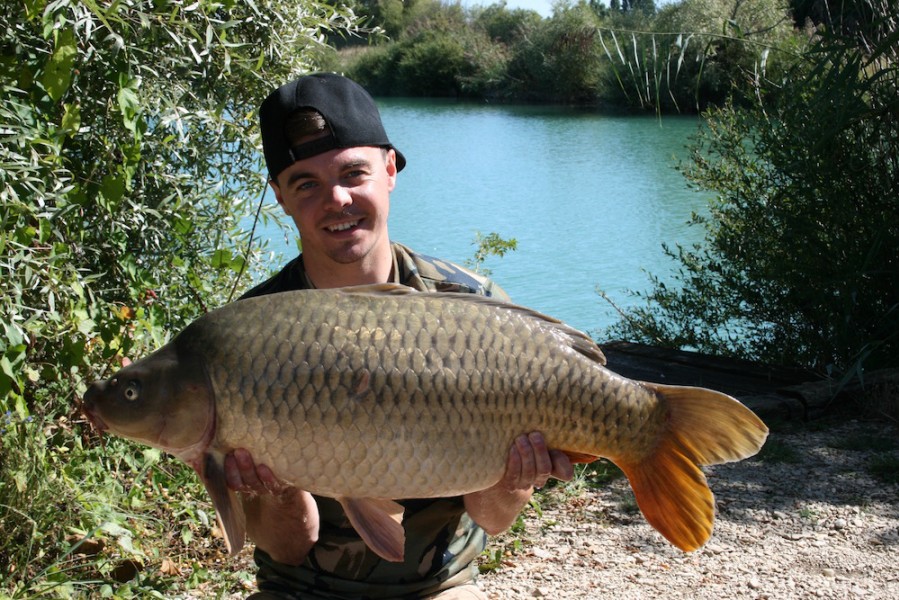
pixel 81 519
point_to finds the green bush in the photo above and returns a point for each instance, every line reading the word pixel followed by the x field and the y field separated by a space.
pixel 558 60
pixel 431 65
pixel 375 69
pixel 128 170
pixel 685 57
pixel 801 260
pixel 503 25
pixel 436 62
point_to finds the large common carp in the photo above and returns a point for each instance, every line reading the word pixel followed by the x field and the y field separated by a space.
pixel 376 393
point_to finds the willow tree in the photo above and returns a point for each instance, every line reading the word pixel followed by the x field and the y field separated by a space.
pixel 129 166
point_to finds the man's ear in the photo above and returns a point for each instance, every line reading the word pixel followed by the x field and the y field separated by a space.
pixel 390 161
pixel 277 190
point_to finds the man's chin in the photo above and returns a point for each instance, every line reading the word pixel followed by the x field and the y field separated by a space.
pixel 350 252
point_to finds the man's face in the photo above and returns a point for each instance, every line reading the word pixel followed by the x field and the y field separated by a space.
pixel 339 201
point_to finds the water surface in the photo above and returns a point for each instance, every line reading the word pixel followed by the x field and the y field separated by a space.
pixel 590 198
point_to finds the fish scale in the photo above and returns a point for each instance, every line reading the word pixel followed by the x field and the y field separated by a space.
pixel 378 393
pixel 418 380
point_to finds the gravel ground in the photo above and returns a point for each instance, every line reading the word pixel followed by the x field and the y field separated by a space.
pixel 805 520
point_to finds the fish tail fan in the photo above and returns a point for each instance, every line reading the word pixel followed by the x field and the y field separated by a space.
pixel 704 427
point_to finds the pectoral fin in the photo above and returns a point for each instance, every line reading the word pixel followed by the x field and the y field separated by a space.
pixel 228 508
pixel 379 522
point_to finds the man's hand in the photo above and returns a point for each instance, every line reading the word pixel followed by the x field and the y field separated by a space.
pixel 529 464
pixel 282 519
pixel 244 475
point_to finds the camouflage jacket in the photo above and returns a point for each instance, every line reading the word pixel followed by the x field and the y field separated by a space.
pixel 442 542
pixel 418 271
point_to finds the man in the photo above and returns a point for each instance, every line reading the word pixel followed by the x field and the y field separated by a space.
pixel 332 169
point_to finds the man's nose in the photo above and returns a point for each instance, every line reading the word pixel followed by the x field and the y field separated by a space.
pixel 339 197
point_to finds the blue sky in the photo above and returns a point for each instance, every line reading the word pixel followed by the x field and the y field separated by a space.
pixel 544 7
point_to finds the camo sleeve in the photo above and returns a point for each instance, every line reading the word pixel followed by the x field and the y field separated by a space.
pixel 427 273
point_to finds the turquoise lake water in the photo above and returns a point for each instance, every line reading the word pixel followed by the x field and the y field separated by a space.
pixel 590 198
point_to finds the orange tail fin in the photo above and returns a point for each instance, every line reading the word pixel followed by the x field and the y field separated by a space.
pixel 704 428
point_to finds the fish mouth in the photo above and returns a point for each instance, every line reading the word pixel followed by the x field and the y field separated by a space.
pixel 88 407
pixel 98 423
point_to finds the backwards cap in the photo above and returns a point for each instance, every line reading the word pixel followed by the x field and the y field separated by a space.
pixel 347 108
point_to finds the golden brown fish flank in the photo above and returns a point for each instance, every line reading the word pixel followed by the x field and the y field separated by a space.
pixel 384 393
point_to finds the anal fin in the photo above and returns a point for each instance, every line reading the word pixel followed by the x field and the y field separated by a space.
pixel 578 457
pixel 379 522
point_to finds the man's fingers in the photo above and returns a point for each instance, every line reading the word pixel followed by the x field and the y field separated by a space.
pixel 543 464
pixel 513 464
pixel 244 475
pixel 561 465
pixel 241 473
pixel 528 462
pixel 232 473
pixel 531 463
pixel 267 478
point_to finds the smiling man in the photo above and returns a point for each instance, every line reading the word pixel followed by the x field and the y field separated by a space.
pixel 332 169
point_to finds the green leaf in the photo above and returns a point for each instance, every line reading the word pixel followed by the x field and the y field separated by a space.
pixel 129 101
pixel 71 118
pixel 87 326
pixel 58 72
pixel 112 189
pixel 238 264
pixel 6 368
pixel 21 481
pixel 34 8
pixel 114 529
pixel 126 543
pixel 46 230
pixel 152 455
pixel 25 235
pixel 32 374
pixel 221 258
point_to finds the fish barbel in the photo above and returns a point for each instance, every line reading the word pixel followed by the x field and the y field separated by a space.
pixel 377 393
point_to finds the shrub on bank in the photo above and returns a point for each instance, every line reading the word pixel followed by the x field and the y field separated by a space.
pixel 130 165
pixel 689 55
pixel 800 262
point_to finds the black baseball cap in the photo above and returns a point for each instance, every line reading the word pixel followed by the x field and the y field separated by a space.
pixel 349 111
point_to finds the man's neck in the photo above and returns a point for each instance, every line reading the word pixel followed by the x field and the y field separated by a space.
pixel 369 271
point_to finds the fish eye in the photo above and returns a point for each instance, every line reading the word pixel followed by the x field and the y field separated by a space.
pixel 132 390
